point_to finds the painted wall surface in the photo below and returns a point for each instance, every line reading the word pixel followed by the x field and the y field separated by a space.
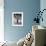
pixel 28 7
pixel 1 20
pixel 43 6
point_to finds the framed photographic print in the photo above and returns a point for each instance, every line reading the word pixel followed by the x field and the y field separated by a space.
pixel 17 19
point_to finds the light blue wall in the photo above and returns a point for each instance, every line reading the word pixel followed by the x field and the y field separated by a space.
pixel 28 7
pixel 43 6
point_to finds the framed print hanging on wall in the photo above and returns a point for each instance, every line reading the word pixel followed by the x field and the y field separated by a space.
pixel 17 18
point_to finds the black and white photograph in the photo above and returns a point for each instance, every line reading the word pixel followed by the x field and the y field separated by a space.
pixel 17 18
